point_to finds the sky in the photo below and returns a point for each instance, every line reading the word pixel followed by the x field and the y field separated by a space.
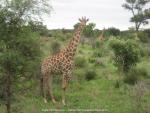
pixel 104 13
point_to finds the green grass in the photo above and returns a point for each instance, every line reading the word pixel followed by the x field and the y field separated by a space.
pixel 94 94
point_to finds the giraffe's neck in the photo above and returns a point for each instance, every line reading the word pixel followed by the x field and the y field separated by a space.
pixel 72 46
pixel 102 34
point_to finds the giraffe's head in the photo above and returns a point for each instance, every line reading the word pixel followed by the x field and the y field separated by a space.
pixel 83 20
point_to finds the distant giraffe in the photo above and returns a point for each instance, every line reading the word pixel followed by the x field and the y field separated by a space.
pixel 62 63
pixel 101 37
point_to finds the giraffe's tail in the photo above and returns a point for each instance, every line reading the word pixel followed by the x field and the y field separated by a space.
pixel 41 85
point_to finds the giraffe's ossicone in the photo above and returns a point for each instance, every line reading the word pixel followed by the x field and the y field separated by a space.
pixel 62 63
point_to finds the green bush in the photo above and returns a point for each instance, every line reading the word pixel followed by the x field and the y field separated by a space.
pixel 126 53
pixel 90 75
pixel 80 51
pixel 68 35
pixel 132 77
pixel 97 44
pixel 147 31
pixel 131 80
pixel 55 47
pixel 92 60
pixel 58 34
pixel 143 36
pixel 89 30
pixel 117 84
pixel 99 62
pixel 112 32
pixel 98 54
pixel 80 62
pixel 79 74
pixel 146 51
pixel 37 26
pixel 142 71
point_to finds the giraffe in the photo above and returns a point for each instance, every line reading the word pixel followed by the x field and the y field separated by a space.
pixel 101 37
pixel 62 63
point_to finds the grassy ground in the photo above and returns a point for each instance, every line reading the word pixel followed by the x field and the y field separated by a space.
pixel 99 93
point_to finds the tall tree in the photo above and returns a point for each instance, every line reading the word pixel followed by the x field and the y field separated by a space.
pixel 19 47
pixel 141 15
pixel 113 31
pixel 88 30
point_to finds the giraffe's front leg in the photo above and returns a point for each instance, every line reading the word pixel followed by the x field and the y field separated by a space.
pixel 44 87
pixel 49 85
pixel 64 86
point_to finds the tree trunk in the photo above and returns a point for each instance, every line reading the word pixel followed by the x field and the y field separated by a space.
pixel 8 93
pixel 136 27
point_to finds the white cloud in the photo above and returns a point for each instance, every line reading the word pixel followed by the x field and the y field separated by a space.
pixel 105 13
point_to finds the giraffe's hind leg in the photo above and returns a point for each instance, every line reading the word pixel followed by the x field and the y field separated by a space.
pixel 45 80
pixel 49 84
pixel 63 96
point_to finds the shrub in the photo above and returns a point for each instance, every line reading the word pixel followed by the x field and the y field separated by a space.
pixel 37 26
pixel 128 35
pixel 134 74
pixel 99 62
pixel 117 84
pixel 148 32
pixel 55 47
pixel 98 54
pixel 80 62
pixel 146 51
pixel 131 78
pixel 80 51
pixel 142 72
pixel 68 35
pixel 89 30
pixel 79 74
pixel 97 44
pixel 92 60
pixel 143 36
pixel 90 75
pixel 58 34
pixel 112 31
pixel 126 53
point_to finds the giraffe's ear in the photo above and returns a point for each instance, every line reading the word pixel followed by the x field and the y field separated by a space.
pixel 87 20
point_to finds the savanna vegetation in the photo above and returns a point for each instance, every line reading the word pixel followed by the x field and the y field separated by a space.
pixel 112 74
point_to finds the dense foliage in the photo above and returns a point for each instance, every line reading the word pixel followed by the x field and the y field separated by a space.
pixel 127 53
pixel 37 26
pixel 112 31
pixel 19 46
